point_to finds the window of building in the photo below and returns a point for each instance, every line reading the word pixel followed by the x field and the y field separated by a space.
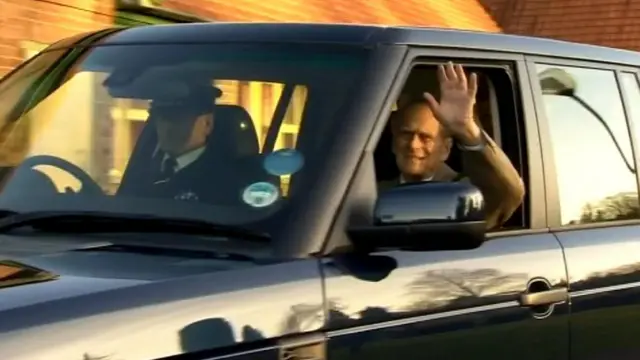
pixel 591 144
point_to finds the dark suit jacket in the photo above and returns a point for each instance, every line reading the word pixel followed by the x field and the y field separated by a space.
pixel 197 182
pixel 209 179
pixel 492 172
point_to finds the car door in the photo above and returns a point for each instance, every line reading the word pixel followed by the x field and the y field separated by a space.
pixel 588 152
pixel 455 304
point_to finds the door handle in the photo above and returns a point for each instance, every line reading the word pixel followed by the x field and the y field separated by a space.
pixel 545 297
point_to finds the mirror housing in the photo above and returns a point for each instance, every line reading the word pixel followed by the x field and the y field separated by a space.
pixel 425 216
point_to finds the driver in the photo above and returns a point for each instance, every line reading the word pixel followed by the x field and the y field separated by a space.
pixel 183 166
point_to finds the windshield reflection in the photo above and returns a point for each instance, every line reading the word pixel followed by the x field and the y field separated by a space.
pixel 212 129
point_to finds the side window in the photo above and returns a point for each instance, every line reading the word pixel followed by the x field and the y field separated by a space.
pixel 494 87
pixel 591 144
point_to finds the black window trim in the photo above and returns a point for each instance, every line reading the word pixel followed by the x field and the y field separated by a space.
pixel 552 199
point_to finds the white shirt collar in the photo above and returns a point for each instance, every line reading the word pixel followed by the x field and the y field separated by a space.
pixel 402 180
pixel 185 159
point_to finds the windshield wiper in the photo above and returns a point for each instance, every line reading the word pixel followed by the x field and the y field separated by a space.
pixel 106 222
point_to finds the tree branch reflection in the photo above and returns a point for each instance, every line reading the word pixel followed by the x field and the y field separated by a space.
pixel 622 206
pixel 439 288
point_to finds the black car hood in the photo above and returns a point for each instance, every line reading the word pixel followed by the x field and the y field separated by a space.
pixel 37 270
pixel 98 303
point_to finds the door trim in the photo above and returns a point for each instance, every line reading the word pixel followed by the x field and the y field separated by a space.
pixel 422 318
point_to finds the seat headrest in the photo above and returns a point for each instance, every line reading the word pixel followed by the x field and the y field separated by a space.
pixel 234 132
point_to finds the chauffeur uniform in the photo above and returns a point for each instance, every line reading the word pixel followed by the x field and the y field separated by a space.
pixel 178 177
pixel 208 174
pixel 199 175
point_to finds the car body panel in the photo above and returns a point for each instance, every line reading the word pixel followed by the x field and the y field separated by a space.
pixel 604 268
pixel 447 305
pixel 92 304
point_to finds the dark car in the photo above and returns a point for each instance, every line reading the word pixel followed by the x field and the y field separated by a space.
pixel 285 249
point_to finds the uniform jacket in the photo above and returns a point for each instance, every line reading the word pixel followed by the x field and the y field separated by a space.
pixel 211 178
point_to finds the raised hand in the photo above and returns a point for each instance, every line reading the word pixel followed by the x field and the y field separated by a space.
pixel 457 98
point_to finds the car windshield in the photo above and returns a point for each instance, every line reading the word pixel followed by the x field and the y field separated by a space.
pixel 225 132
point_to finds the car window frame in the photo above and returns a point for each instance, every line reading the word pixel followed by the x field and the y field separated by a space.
pixel 532 162
pixel 550 175
pixel 362 193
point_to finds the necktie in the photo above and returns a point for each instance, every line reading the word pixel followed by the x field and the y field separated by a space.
pixel 168 167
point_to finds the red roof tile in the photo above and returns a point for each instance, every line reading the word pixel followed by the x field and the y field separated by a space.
pixel 602 22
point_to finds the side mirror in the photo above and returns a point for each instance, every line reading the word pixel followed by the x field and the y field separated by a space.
pixel 425 217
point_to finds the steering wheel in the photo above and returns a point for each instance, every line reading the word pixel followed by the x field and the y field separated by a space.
pixel 89 186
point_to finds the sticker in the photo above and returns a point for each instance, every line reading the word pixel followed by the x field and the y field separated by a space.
pixel 283 162
pixel 187 195
pixel 260 194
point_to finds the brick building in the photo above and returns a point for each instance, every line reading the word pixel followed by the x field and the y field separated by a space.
pixel 28 25
pixel 613 23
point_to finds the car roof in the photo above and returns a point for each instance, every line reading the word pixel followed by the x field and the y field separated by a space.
pixel 367 36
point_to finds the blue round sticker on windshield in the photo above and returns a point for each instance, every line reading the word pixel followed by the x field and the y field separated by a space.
pixel 260 194
pixel 283 162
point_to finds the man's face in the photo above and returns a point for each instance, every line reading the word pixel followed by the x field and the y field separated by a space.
pixel 179 134
pixel 419 145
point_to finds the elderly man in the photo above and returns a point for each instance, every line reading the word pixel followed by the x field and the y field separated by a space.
pixel 424 132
